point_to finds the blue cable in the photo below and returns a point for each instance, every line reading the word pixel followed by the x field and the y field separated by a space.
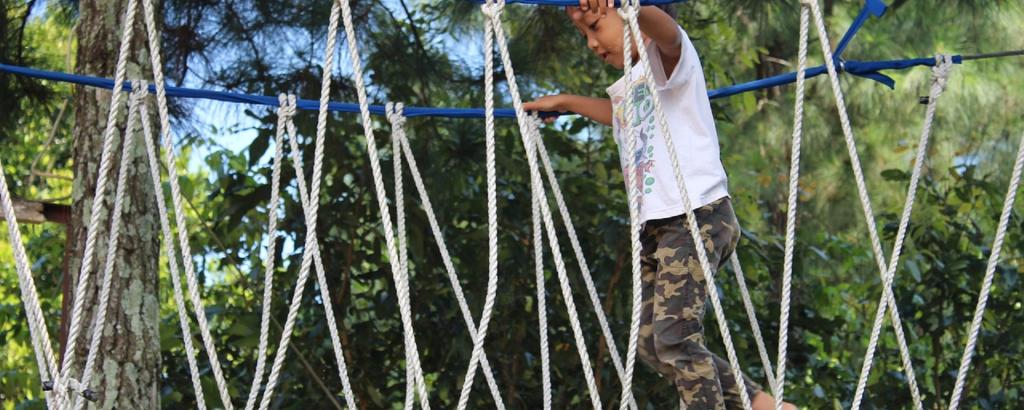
pixel 865 69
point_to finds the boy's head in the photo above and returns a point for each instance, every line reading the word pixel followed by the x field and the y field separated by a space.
pixel 603 33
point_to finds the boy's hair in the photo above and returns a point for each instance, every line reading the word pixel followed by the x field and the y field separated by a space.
pixel 668 9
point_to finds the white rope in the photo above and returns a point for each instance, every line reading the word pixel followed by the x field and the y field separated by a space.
pixel 96 210
pixel 449 266
pixel 939 77
pixel 38 332
pixel 748 305
pixel 284 115
pixel 401 283
pixel 865 200
pixel 177 201
pixel 398 131
pixel 986 286
pixel 634 192
pixel 310 209
pixel 629 14
pixel 397 121
pixel 779 380
pixel 492 206
pixel 325 296
pixel 172 258
pixel 581 259
pixel 139 91
pixel 538 262
pixel 492 11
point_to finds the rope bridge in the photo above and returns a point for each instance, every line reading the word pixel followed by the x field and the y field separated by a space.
pixel 67 387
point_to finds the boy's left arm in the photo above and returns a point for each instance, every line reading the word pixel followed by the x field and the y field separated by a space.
pixel 663 30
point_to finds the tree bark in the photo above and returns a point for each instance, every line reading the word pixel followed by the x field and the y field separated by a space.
pixel 127 374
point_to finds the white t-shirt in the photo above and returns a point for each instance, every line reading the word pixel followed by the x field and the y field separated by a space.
pixel 684 100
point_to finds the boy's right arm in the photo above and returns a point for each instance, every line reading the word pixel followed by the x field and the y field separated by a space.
pixel 597 109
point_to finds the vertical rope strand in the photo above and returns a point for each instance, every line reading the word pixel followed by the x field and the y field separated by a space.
pixel 96 209
pixel 446 260
pixel 492 210
pixel 176 197
pixel 865 200
pixel 538 265
pixel 318 266
pixel 494 14
pixel 791 209
pixel 633 192
pixel 986 286
pixel 401 284
pixel 284 114
pixel 102 305
pixel 172 257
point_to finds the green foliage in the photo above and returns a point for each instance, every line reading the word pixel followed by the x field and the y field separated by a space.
pixel 428 54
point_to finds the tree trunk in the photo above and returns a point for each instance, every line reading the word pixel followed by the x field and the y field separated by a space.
pixel 127 372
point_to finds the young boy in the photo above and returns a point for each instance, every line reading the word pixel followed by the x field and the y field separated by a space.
pixel 674 292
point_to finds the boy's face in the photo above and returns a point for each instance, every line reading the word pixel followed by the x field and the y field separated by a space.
pixel 603 33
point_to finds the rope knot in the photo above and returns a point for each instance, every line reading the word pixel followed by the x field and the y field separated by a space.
pixel 396 114
pixel 940 73
pixel 139 89
pixel 492 8
pixel 286 105
pixel 629 11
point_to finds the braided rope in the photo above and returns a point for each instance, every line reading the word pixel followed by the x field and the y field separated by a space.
pixel 38 332
pixel 629 14
pixel 748 305
pixel 986 286
pixel 492 11
pixel 939 77
pixel 398 131
pixel 397 121
pixel 310 209
pixel 449 266
pixel 538 264
pixel 865 200
pixel 139 90
pixel 177 201
pixel 581 259
pixel 779 381
pixel 634 192
pixel 98 204
pixel 172 259
pixel 332 325
pixel 285 113
pixel 401 283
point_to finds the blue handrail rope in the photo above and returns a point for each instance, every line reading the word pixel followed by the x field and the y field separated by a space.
pixel 866 69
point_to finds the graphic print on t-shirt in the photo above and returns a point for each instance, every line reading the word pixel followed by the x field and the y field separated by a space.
pixel 641 165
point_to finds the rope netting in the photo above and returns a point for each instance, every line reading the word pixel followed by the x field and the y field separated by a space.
pixel 65 391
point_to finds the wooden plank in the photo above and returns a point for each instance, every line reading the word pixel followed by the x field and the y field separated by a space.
pixel 32 212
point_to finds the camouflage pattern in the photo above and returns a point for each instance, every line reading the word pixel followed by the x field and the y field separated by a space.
pixel 674 296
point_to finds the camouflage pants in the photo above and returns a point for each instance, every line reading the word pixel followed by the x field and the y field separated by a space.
pixel 674 295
